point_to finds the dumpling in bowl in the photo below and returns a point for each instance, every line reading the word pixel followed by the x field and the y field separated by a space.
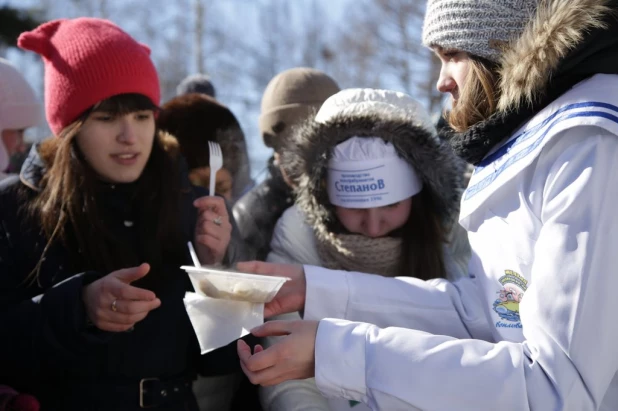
pixel 242 291
pixel 209 289
pixel 245 291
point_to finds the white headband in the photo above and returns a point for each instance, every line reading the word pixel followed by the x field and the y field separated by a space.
pixel 366 172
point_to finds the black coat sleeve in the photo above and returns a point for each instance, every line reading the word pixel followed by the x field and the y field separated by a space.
pixel 40 326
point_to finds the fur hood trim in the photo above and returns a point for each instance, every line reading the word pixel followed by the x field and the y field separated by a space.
pixel 557 27
pixel 309 151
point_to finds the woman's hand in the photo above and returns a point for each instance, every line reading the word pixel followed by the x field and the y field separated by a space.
pixel 113 304
pixel 213 230
pixel 291 296
pixel 290 358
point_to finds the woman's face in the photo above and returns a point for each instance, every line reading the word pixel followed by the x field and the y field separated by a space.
pixel 375 222
pixel 455 66
pixel 117 147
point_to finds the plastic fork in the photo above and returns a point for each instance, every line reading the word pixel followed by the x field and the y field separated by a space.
pixel 216 162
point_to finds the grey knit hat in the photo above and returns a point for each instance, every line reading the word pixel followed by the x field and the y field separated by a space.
pixel 479 27
pixel 196 83
pixel 290 97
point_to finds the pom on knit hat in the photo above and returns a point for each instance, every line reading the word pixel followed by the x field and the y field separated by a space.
pixel 23 402
pixel 479 27
pixel 88 60
pixel 11 400
pixel 196 83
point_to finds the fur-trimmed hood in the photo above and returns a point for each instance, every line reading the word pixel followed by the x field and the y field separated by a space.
pixel 564 43
pixel 307 154
pixel 556 32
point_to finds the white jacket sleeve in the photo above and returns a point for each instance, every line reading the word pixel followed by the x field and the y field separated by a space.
pixel 293 395
pixel 435 306
pixel 457 253
pixel 569 356
pixel 292 243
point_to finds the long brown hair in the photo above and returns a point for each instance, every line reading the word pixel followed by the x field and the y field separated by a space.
pixel 478 98
pixel 423 237
pixel 68 204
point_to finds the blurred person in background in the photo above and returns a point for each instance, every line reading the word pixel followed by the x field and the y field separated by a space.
pixel 93 233
pixel 196 83
pixel 289 99
pixel 195 119
pixel 19 109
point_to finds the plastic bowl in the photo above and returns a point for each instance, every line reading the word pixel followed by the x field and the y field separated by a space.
pixel 233 285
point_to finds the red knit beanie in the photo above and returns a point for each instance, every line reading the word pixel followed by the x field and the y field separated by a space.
pixel 88 60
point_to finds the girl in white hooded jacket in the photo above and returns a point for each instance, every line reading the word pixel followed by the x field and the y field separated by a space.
pixel 376 192
pixel 535 87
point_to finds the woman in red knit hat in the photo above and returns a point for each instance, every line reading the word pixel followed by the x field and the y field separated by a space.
pixel 109 198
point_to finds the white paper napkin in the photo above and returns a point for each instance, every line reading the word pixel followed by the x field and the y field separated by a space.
pixel 218 322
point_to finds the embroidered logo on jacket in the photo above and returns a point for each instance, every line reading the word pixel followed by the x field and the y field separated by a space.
pixel 509 296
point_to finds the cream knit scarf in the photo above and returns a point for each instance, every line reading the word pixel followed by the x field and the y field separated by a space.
pixel 367 255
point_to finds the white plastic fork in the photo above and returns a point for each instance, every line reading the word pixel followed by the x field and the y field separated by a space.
pixel 216 162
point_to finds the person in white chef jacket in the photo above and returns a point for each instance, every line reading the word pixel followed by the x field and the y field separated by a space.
pixel 535 96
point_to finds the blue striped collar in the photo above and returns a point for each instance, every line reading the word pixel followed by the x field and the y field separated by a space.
pixel 533 138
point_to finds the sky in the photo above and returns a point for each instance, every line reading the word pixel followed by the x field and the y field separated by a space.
pixel 30 66
pixel 231 13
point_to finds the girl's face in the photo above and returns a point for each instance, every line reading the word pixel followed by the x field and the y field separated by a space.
pixel 455 66
pixel 375 222
pixel 117 147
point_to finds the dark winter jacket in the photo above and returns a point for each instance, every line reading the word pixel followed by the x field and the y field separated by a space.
pixel 257 212
pixel 48 348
